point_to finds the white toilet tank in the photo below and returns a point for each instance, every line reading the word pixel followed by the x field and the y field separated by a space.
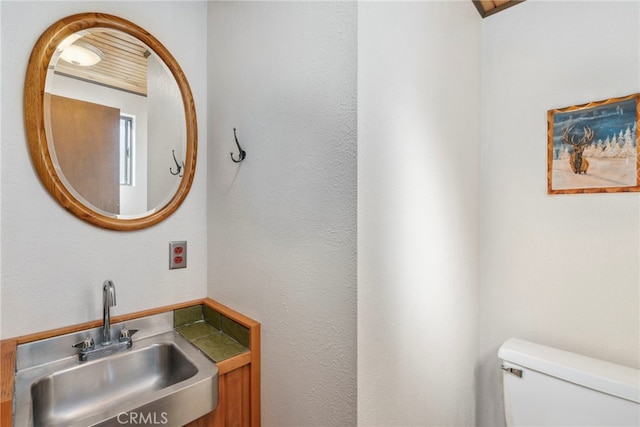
pixel 544 386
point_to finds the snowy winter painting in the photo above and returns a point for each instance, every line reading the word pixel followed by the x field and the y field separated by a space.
pixel 593 148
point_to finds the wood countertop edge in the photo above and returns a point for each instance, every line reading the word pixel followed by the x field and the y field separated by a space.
pixel 7 369
pixel 97 323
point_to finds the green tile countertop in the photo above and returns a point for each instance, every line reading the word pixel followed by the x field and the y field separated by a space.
pixel 214 334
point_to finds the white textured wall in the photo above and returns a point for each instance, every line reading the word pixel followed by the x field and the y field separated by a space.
pixel 282 224
pixel 418 204
pixel 53 264
pixel 1 134
pixel 561 270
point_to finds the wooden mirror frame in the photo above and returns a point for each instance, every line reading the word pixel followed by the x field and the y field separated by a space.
pixel 34 115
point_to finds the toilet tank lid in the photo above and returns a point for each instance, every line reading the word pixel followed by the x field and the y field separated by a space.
pixel 610 378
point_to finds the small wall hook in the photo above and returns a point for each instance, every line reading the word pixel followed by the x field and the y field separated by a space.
pixel 177 165
pixel 243 154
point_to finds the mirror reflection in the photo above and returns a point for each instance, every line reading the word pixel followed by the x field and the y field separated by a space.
pixel 115 123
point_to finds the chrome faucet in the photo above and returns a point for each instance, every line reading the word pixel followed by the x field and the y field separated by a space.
pixel 108 301
pixel 87 348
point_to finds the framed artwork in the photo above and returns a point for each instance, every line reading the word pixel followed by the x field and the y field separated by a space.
pixel 593 148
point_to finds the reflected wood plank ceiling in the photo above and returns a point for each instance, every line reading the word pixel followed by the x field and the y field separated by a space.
pixel 123 66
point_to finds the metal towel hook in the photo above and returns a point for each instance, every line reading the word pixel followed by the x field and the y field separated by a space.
pixel 242 154
pixel 177 165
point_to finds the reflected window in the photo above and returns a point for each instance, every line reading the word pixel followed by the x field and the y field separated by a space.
pixel 126 149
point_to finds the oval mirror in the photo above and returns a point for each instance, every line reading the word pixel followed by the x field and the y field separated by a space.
pixel 110 121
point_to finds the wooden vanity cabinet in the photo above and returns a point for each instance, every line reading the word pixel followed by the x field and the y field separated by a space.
pixel 238 381
pixel 234 401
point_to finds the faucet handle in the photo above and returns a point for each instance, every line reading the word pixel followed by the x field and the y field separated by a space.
pixel 85 344
pixel 126 334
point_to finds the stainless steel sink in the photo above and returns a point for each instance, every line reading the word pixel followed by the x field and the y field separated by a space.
pixel 79 391
pixel 163 379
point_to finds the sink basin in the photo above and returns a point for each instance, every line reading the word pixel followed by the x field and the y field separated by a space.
pixel 163 379
pixel 77 392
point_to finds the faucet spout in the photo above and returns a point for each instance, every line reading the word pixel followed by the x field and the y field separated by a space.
pixel 108 301
pixel 123 341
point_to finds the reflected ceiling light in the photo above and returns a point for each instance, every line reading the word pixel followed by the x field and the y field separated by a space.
pixel 82 54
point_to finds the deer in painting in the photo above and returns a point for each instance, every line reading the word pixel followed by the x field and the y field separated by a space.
pixel 577 162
